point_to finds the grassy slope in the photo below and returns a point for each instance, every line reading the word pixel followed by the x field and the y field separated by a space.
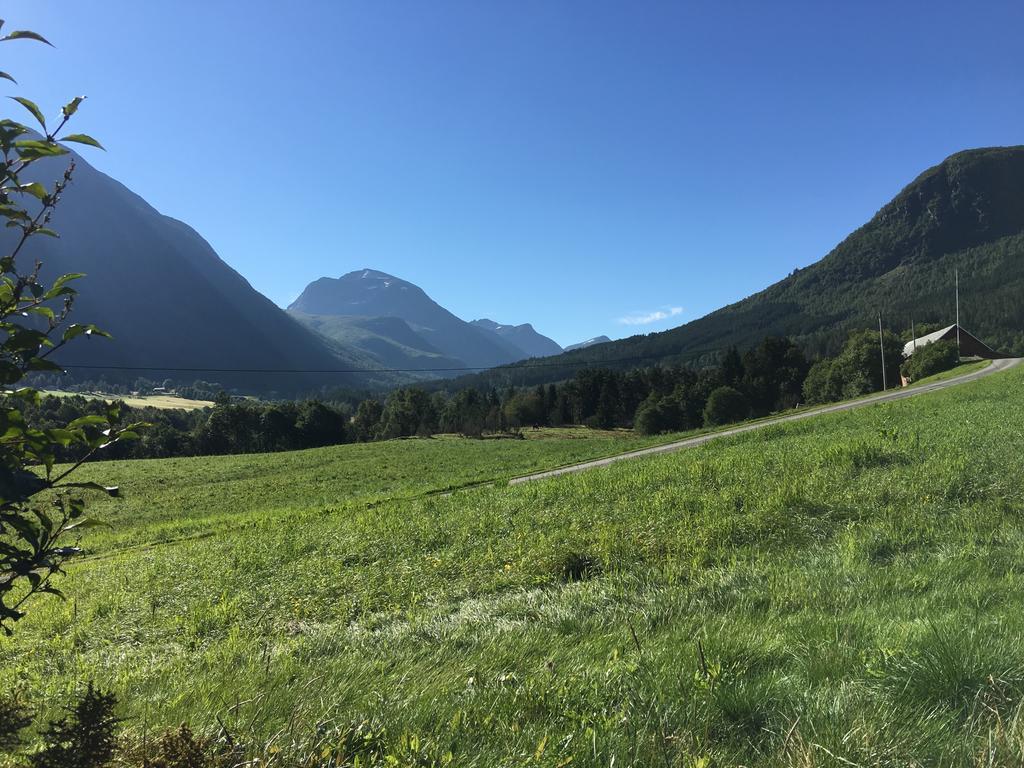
pixel 854 583
pixel 166 499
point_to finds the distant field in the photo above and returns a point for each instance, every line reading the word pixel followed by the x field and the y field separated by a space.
pixel 148 401
pixel 840 591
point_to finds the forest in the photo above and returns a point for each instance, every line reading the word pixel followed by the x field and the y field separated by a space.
pixel 773 376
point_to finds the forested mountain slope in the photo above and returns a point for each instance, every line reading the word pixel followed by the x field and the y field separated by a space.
pixel 966 213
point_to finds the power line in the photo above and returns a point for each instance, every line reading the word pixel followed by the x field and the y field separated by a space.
pixel 465 369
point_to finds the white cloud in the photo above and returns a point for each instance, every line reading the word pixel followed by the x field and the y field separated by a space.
pixel 646 318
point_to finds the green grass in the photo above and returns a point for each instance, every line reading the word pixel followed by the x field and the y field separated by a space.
pixel 168 499
pixel 959 370
pixel 842 590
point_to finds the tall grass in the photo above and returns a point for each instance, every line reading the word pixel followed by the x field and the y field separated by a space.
pixel 839 591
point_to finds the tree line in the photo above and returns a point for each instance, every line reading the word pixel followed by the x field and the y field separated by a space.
pixel 773 376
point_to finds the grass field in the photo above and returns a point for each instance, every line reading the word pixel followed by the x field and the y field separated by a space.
pixel 840 591
pixel 146 401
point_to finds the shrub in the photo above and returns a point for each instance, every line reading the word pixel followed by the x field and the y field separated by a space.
pixel 725 405
pixel 14 718
pixel 930 359
pixel 659 414
pixel 86 738
pixel 180 749
pixel 822 384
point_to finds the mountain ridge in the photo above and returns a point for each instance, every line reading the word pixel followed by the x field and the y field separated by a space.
pixel 370 293
pixel 169 300
pixel 966 213
pixel 523 336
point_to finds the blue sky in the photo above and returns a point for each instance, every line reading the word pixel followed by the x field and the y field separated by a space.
pixel 590 167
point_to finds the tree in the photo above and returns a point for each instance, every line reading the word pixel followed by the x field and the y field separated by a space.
pixel 732 367
pixel 466 413
pixel 659 414
pixel 774 373
pixel 366 424
pixel 859 366
pixel 39 506
pixel 725 405
pixel 318 425
pixel 930 359
pixel 822 384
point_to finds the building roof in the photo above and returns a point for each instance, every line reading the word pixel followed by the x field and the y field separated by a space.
pixel 920 341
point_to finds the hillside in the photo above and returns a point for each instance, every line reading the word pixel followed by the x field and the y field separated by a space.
pixel 369 293
pixel 169 300
pixel 966 213
pixel 524 337
pixel 841 591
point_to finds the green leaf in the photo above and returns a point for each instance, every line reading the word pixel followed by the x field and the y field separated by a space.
pixel 110 490
pixel 40 144
pixel 25 340
pixel 44 311
pixel 42 364
pixel 60 288
pixel 24 34
pixel 85 522
pixel 35 189
pixel 82 138
pixel 72 106
pixel 64 437
pixel 33 150
pixel 77 329
pixel 12 212
pixel 30 105
pixel 10 130
pixel 46 231
pixel 91 420
pixel 60 281
pixel 5 76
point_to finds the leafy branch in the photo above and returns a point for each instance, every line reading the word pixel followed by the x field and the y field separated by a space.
pixel 39 507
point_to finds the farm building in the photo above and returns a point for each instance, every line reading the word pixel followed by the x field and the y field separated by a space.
pixel 970 346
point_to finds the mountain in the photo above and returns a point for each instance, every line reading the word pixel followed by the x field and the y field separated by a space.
pixel 168 300
pixel 588 343
pixel 524 337
pixel 966 214
pixel 368 293
pixel 388 340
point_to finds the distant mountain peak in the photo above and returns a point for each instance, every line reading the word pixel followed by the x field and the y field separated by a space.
pixel 588 343
pixel 370 293
pixel 524 336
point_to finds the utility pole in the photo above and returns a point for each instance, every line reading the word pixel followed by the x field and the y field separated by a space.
pixel 956 274
pixel 881 345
